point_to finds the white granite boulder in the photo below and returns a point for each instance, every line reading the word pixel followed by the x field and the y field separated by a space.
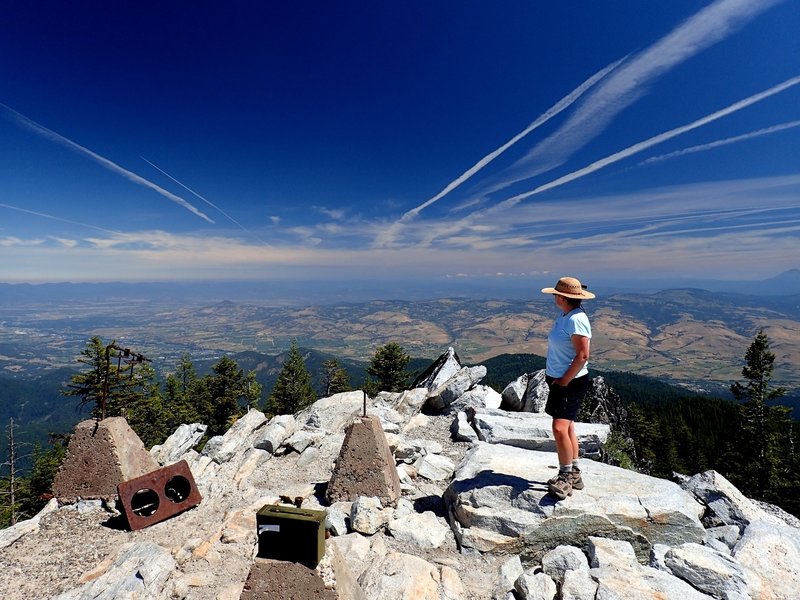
pixel 561 559
pixel 536 393
pixel 237 439
pixel 481 396
pixel 461 429
pixel 179 443
pixel 333 413
pixel 503 490
pixel 367 515
pixel 708 570
pixel 462 381
pixel 513 395
pixel 619 575
pixel 400 576
pixel 423 530
pixel 725 502
pixel 533 431
pixel 407 403
pixel 770 556
pixel 305 437
pixel 535 586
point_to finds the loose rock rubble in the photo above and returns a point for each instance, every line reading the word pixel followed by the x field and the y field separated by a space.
pixel 473 522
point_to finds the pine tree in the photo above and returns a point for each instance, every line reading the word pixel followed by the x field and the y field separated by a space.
pixel 229 392
pixel 764 430
pixel 185 396
pixel 14 488
pixel 292 391
pixel 43 472
pixel 89 384
pixel 335 378
pixel 109 383
pixel 388 368
pixel 144 409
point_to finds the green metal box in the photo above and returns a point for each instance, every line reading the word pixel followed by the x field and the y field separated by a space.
pixel 292 534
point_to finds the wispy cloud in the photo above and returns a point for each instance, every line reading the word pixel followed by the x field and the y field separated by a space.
pixel 631 80
pixel 54 218
pixel 614 158
pixel 725 142
pixel 607 93
pixel 388 236
pixel 204 199
pixel 730 220
pixel 46 133
pixel 553 111
pixel 11 241
pixel 727 226
pixel 66 242
pixel 336 214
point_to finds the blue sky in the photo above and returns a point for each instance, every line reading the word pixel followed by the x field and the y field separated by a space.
pixel 391 141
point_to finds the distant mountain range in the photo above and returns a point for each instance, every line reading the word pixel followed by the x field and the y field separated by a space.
pixel 783 284
pixel 332 291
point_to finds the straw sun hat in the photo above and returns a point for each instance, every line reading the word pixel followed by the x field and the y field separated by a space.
pixel 571 288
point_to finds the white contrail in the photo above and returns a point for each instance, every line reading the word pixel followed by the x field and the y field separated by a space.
pixel 54 218
pixel 554 110
pixel 626 84
pixel 206 200
pixel 725 142
pixel 111 166
pixel 560 106
pixel 616 157
pixel 650 142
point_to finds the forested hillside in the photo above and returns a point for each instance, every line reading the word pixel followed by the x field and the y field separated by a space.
pixel 663 428
pixel 38 409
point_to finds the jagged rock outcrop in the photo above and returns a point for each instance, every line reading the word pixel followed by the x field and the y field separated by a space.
pixel 474 521
pixel 604 405
pixel 725 505
pixel 527 393
pixel 179 443
pixel 440 370
pixel 465 379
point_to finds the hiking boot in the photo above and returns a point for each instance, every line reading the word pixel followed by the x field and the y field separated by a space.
pixel 576 479
pixel 560 485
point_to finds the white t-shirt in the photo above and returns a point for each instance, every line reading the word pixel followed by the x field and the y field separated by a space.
pixel 560 351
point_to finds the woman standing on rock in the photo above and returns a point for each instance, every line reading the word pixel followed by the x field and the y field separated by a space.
pixel 568 379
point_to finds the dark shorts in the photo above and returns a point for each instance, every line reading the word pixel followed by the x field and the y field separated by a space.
pixel 565 402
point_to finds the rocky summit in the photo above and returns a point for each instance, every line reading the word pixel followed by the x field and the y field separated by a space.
pixel 473 520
